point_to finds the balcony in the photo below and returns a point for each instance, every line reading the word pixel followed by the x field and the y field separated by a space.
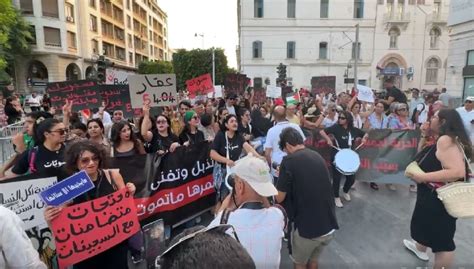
pixel 436 18
pixel 396 19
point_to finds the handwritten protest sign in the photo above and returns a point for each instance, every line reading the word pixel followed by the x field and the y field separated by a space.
pixel 218 91
pixel 200 85
pixel 365 94
pixel 156 90
pixel 117 97
pixel 236 84
pixel 273 91
pixel 22 198
pixel 326 84
pixel 87 229
pixel 82 93
pixel 116 77
pixel 67 189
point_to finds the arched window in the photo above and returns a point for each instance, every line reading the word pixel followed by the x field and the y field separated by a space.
pixel 432 71
pixel 435 33
pixel 257 49
pixel 394 33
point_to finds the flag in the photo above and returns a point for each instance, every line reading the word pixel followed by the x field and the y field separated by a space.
pixel 293 99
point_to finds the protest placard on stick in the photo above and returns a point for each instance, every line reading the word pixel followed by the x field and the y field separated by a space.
pixel 156 90
pixel 200 85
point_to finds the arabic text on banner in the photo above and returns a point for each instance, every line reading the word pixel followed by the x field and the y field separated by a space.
pixel 67 189
pixel 87 229
pixel 200 85
pixel 157 90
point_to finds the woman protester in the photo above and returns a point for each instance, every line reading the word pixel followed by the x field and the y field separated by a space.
pixel 96 134
pixel 225 150
pixel 190 134
pixel 331 115
pixel 160 139
pixel 400 119
pixel 441 163
pixel 221 113
pixel 85 155
pixel 245 129
pixel 124 141
pixel 48 156
pixel 345 134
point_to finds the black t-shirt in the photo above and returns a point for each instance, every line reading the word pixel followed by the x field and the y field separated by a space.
pixel 159 142
pixel 304 178
pixel 12 113
pixel 193 139
pixel 235 145
pixel 399 96
pixel 342 135
pixel 43 161
pixel 244 130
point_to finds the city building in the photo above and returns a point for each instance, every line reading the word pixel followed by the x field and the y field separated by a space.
pixel 460 73
pixel 70 35
pixel 404 39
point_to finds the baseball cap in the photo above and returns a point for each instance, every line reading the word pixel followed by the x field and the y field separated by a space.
pixel 470 98
pixel 256 173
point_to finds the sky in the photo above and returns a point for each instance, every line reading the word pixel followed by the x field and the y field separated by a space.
pixel 216 20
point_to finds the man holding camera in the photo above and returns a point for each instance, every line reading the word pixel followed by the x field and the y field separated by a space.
pixel 304 185
pixel 259 226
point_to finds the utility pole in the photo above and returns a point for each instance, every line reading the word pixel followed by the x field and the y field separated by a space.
pixel 213 66
pixel 356 57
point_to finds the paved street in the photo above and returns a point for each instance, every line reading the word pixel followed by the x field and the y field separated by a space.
pixel 372 227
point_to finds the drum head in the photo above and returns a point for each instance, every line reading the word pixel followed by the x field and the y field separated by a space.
pixel 347 161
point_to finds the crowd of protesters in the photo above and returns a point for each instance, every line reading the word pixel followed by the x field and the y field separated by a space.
pixel 270 134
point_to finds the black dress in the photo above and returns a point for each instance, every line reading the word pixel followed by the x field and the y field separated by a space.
pixel 431 225
pixel 115 257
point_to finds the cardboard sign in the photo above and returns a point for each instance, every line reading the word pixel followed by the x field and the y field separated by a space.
pixel 236 84
pixel 67 189
pixel 117 97
pixel 82 93
pixel 200 85
pixel 365 94
pixel 273 91
pixel 85 230
pixel 157 90
pixel 116 77
pixel 22 198
pixel 326 84
pixel 259 95
pixel 218 91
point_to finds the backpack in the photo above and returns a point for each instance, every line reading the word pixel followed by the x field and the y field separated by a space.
pixel 413 116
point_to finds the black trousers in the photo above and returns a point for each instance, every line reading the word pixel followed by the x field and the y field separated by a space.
pixel 336 182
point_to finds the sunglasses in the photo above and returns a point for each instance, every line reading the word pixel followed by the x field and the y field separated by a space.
pixel 470 102
pixel 87 160
pixel 60 131
pixel 342 118
pixel 219 228
pixel 231 98
pixel 402 109
pixel 161 121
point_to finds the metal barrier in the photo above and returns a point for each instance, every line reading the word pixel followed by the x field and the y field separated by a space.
pixel 6 135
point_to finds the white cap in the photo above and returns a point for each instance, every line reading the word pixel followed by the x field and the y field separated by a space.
pixel 470 98
pixel 256 173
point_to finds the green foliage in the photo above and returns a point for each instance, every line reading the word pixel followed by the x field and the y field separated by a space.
pixel 158 67
pixel 193 63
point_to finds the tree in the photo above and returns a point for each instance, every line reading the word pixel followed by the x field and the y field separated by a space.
pixel 15 35
pixel 193 63
pixel 159 67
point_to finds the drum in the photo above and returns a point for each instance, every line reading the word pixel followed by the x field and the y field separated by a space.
pixel 347 162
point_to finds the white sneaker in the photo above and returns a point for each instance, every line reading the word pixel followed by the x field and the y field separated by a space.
pixel 413 188
pixel 346 196
pixel 392 187
pixel 338 202
pixel 409 244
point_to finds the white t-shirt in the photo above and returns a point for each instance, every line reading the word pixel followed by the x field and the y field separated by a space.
pixel 414 103
pixel 327 122
pixel 357 121
pixel 467 117
pixel 231 110
pixel 423 116
pixel 35 101
pixel 273 138
pixel 260 232
pixel 16 249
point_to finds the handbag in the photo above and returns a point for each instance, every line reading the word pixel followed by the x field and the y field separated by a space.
pixel 458 197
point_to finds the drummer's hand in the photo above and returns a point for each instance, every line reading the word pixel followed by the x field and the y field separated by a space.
pixel 364 139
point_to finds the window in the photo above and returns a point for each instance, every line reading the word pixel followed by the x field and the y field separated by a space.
pixel 69 12
pixel 290 50
pixel 258 8
pixel 432 71
pixel 92 3
pixel 470 57
pixel 71 40
pixel 401 9
pixel 119 34
pixel 120 53
pixel 32 30
pixel 323 50
pixel 52 37
pixel 152 52
pixel 257 83
pixel 26 7
pixel 107 29
pixel 93 23
pixel 434 38
pixel 257 49
pixel 324 9
pixel 95 46
pixel 108 49
pixel 50 8
pixel 358 9
pixel 380 2
pixel 421 2
pixel 354 50
pixel 128 6
pixel 129 22
pixel 118 14
pixel 437 7
pixel 394 33
pixel 291 9
pixel 130 58
pixel 130 41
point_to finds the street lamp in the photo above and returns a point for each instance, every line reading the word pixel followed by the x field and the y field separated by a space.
pixel 213 58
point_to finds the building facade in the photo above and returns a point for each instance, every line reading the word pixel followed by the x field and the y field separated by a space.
pixel 69 36
pixel 460 74
pixel 405 39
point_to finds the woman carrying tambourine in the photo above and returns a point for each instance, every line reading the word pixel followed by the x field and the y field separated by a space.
pixel 345 134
